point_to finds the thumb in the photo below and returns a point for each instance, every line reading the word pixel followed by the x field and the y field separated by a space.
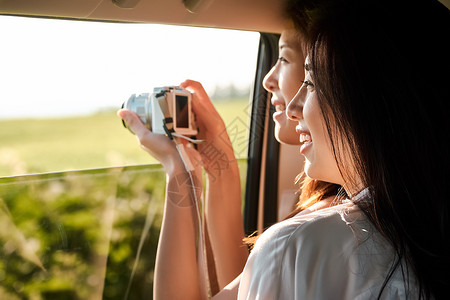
pixel 132 122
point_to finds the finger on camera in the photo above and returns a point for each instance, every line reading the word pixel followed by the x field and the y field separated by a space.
pixel 198 90
pixel 195 86
pixel 133 122
pixel 202 105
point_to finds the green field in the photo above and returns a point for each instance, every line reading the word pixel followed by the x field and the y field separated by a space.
pixel 95 141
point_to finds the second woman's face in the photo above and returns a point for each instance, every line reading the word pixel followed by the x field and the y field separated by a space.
pixel 304 109
pixel 283 81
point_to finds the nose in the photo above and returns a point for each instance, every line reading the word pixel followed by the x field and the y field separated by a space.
pixel 270 82
pixel 294 110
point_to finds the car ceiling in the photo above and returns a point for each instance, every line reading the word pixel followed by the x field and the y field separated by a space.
pixel 254 15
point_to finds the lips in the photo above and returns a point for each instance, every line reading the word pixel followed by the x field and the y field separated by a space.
pixel 279 115
pixel 304 137
pixel 279 104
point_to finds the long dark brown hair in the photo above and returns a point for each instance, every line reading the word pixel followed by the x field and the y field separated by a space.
pixel 380 70
pixel 310 192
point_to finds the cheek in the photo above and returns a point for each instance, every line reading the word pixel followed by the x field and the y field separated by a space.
pixel 311 112
pixel 290 82
pixel 323 165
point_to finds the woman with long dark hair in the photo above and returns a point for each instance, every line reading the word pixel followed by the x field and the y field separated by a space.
pixel 379 70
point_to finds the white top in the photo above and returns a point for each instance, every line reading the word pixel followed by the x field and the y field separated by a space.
pixel 332 253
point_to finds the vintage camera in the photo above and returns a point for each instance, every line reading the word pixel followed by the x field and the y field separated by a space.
pixel 166 110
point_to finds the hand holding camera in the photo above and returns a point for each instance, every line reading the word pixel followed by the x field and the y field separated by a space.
pixel 163 112
pixel 167 110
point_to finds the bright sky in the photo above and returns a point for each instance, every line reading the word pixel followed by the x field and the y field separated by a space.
pixel 54 67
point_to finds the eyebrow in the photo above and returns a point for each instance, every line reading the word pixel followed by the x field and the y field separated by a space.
pixel 285 45
pixel 307 67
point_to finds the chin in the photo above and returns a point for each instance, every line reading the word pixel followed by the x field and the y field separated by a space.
pixel 317 173
pixel 307 168
pixel 286 136
pixel 311 172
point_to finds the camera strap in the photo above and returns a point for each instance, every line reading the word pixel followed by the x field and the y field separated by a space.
pixel 168 120
pixel 166 129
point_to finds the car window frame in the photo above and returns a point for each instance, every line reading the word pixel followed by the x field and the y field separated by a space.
pixel 261 191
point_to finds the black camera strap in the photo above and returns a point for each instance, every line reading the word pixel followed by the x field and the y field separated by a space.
pixel 168 120
pixel 168 131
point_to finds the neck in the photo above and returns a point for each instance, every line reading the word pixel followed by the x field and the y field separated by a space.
pixel 353 189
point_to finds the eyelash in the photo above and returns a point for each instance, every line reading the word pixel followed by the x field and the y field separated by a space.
pixel 307 83
pixel 282 59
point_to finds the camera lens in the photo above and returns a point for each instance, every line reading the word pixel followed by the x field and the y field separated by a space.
pixel 141 105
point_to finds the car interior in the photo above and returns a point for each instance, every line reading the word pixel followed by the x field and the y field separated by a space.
pixel 56 244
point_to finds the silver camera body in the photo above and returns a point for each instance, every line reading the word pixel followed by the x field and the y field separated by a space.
pixel 167 110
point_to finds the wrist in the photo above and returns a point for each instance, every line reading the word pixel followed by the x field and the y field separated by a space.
pixel 174 166
pixel 217 155
pixel 183 189
pixel 224 172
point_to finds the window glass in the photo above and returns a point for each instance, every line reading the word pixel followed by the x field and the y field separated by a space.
pixel 63 81
pixel 88 234
pixel 80 202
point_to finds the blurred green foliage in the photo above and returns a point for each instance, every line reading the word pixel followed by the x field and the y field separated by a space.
pixel 76 235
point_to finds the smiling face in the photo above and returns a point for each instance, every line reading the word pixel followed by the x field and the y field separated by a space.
pixel 283 81
pixel 316 146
